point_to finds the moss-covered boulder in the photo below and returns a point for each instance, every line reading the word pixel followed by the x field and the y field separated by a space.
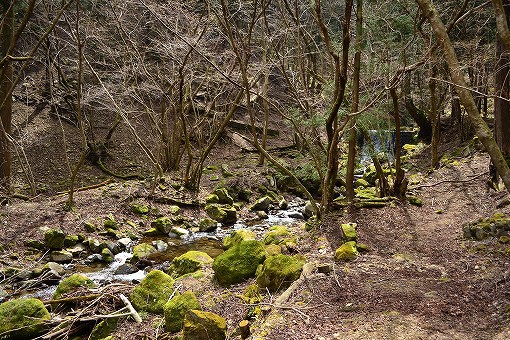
pixel 279 234
pixel 188 263
pixel 280 271
pixel 71 283
pixel 107 255
pixel 360 182
pixel 200 325
pixel 103 329
pixel 346 252
pixel 212 198
pixel 22 318
pixel 54 238
pixel 349 231
pixel 221 213
pixel 142 251
pixel 207 224
pixel 153 292
pixel 110 223
pixel 176 308
pixel 162 224
pixel 71 240
pixel 237 236
pixel 415 200
pixel 223 196
pixel 262 204
pixel 174 209
pixel 239 263
pixel 140 209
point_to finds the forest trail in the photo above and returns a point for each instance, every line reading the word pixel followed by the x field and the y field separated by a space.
pixel 420 280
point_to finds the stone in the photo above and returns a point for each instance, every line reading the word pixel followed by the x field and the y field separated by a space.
pixel 278 234
pixel 361 183
pixel 349 231
pixel 308 210
pixel 153 232
pixel 221 213
pixel 163 224
pixel 110 223
pixel 140 209
pixel 262 204
pixel 200 325
pixel 273 249
pixel 125 269
pixel 262 215
pixel 124 243
pixel 176 308
pixel 188 263
pixel 346 252
pixel 160 245
pixel 212 198
pixel 36 244
pixel 62 256
pixel 239 262
pixel 54 239
pixel 55 268
pixel 90 227
pixel 283 204
pixel 71 283
pixel 223 196
pixel 142 251
pixel 225 172
pixel 296 214
pixel 77 250
pixel 23 318
pixel 280 271
pixel 107 255
pixel 237 236
pixel 93 245
pixel 174 210
pixel 71 240
pixel 414 200
pixel 152 292
pixel 179 232
pixel 103 329
pixel 94 258
pixel 207 224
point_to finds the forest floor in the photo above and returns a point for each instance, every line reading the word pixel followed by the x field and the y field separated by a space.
pixel 420 278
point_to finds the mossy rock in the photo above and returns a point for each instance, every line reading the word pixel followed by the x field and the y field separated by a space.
pixel 176 309
pixel 22 318
pixel 54 239
pixel 223 196
pixel 273 249
pixel 349 231
pixel 414 200
pixel 71 283
pixel 142 251
pixel 207 224
pixel 212 198
pixel 188 263
pixel 153 232
pixel 107 255
pixel 163 224
pixel 363 193
pixel 200 325
pixel 153 292
pixel 252 294
pixel 110 223
pixel 221 213
pixel 36 244
pixel 280 271
pixel 140 209
pixel 103 329
pixel 278 234
pixel 361 183
pixel 71 240
pixel 237 236
pixel 239 262
pixel 90 226
pixel 346 252
pixel 262 204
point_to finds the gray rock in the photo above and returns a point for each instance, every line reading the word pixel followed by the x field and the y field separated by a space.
pixel 125 269
pixel 207 224
pixel 283 204
pixel 94 258
pixel 56 268
pixel 179 232
pixel 94 245
pixel 308 210
pixel 296 215
pixel 160 245
pixel 61 256
pixel 77 250
pixel 262 215
pixel 261 204
pixel 124 243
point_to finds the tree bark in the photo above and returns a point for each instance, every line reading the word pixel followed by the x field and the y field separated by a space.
pixel 481 129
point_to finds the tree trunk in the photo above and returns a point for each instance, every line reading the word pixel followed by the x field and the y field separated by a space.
pixel 481 129
pixel 434 118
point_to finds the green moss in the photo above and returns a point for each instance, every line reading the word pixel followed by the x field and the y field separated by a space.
pixel 361 183
pixel 221 213
pixel 223 196
pixel 140 209
pixel 414 200
pixel 239 262
pixel 349 231
pixel 163 224
pixel 72 282
pixel 70 240
pixel 54 238
pixel 22 318
pixel 141 251
pixel 188 263
pixel 153 292
pixel 176 308
pixel 200 325
pixel 252 294
pixel 273 249
pixel 346 252
pixel 237 236
pixel 280 271
pixel 107 255
pixel 278 234
pixel 110 223
pixel 103 329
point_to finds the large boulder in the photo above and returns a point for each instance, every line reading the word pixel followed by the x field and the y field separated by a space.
pixel 22 318
pixel 72 283
pixel 280 271
pixel 223 196
pixel 346 252
pixel 237 236
pixel 279 234
pixel 188 263
pixel 163 224
pixel 207 224
pixel 153 292
pixel 261 204
pixel 221 213
pixel 200 325
pixel 176 308
pixel 239 263
pixel 54 238
pixel 142 251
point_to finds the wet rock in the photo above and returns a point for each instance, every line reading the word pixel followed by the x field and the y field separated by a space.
pixel 107 255
pixel 160 245
pixel 162 224
pixel 262 215
pixel 212 198
pixel 112 246
pixel 207 224
pixel 346 252
pixel 174 210
pixel 90 227
pixel 71 283
pixel 94 245
pixel 221 213
pixel 125 269
pixel 55 268
pixel 296 214
pixel 61 256
pixel 262 204
pixel 54 239
pixel 239 262
pixel 153 232
pixel 140 209
pixel 200 325
pixel 124 243
pixel 142 251
pixel 280 271
pixel 188 263
pixel 94 258
pixel 176 308
pixel 178 232
pixel 77 250
pixel 237 236
pixel 23 318
pixel 283 204
pixel 153 292
pixel 308 210
pixel 349 231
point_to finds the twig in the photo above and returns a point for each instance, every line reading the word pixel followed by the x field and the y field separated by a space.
pixel 73 299
pixel 94 186
pixel 451 181
pixel 132 311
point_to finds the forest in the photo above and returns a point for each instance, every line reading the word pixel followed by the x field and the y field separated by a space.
pixel 254 169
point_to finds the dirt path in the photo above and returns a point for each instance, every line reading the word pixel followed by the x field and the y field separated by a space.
pixel 420 280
